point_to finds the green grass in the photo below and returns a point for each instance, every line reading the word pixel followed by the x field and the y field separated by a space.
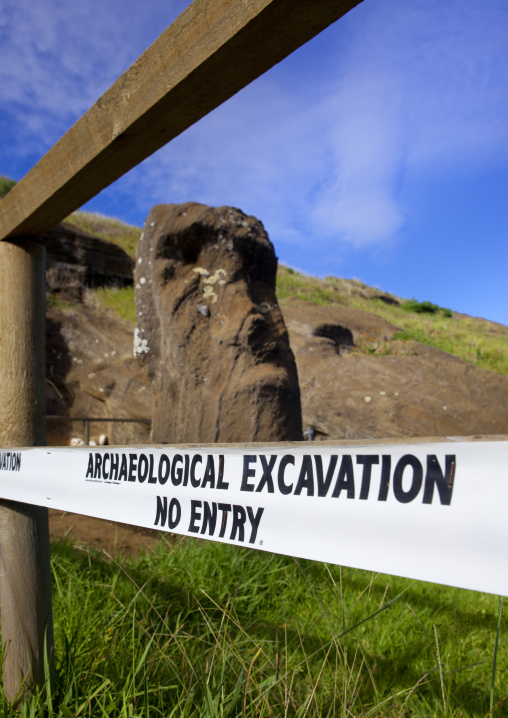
pixel 301 286
pixel 125 235
pixel 53 301
pixel 120 301
pixel 476 341
pixel 425 308
pixel 204 629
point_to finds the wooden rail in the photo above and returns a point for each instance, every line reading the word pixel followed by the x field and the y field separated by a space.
pixel 213 50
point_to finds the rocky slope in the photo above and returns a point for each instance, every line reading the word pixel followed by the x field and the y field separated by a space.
pixel 358 380
pixel 412 390
pixel 90 369
pixel 91 372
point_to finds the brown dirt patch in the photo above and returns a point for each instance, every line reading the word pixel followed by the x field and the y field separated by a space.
pixel 413 391
pixel 110 536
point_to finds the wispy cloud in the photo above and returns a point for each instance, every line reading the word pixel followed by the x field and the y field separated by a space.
pixel 423 89
pixel 59 57
pixel 406 88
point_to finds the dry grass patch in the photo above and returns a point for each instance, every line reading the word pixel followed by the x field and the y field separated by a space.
pixel 118 299
pixel 476 341
pixel 114 230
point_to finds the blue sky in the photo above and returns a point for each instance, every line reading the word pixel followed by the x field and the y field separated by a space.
pixel 379 150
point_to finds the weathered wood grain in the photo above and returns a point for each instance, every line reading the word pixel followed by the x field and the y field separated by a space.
pixel 212 50
pixel 25 585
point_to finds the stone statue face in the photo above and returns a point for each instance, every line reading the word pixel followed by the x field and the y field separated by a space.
pixel 208 320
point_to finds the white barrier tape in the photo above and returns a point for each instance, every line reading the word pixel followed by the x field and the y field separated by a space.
pixel 430 511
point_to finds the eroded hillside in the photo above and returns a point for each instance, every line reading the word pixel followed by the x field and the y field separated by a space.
pixel 369 364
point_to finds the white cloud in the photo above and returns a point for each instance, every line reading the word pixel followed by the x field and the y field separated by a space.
pixel 422 88
pixel 415 87
pixel 366 142
pixel 59 57
pixel 259 152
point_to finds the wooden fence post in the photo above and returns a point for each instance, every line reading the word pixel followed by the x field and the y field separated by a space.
pixel 25 582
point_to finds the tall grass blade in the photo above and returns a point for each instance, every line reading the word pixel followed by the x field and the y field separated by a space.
pixel 372 615
pixel 498 705
pixel 247 682
pixel 440 666
pixel 143 657
pixel 494 661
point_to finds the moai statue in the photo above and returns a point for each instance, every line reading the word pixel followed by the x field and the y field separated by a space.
pixel 209 330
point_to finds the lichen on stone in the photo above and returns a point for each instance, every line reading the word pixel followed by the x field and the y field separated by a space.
pixel 140 344
pixel 264 307
pixel 208 293
pixel 201 270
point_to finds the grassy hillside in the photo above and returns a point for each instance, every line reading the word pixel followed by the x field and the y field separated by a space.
pixel 125 235
pixel 476 341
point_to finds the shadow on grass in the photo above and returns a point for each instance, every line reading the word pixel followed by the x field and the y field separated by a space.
pixel 217 617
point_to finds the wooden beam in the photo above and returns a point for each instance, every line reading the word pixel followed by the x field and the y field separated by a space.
pixel 25 581
pixel 212 50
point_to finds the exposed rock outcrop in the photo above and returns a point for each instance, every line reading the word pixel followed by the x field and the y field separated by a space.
pixel 209 330
pixel 89 365
pixel 77 261
pixel 348 391
pixel 91 372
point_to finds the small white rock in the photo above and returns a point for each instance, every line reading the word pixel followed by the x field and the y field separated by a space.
pixel 367 399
